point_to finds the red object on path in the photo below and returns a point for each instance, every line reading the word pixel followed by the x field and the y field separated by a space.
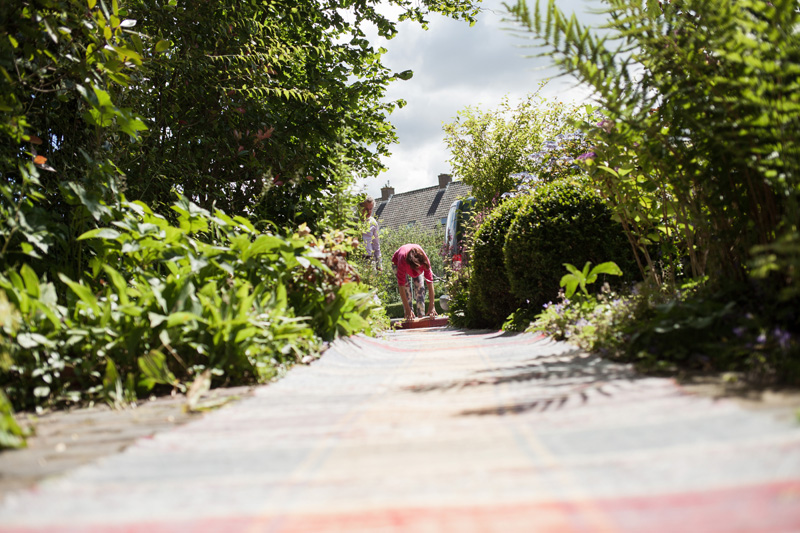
pixel 424 322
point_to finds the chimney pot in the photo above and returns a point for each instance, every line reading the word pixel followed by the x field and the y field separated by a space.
pixel 444 179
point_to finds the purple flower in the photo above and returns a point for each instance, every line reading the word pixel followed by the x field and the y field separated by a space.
pixel 606 125
pixel 783 337
pixel 587 155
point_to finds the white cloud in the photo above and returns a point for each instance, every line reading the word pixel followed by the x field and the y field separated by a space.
pixel 456 66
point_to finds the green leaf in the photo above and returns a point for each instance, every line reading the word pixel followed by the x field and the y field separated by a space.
pixel 111 377
pixel 156 319
pixel 83 293
pixel 101 233
pixel 570 284
pixel 182 317
pixel 155 370
pixel 608 267
pixel 31 281
pixel 32 340
pixel 119 283
pixel 162 46
pixel 263 244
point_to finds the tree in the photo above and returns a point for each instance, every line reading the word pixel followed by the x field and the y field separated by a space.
pixel 699 145
pixel 264 107
pixel 487 147
pixel 63 66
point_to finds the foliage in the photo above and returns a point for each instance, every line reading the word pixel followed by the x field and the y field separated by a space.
pixel 164 302
pixel 261 108
pixel 557 158
pixel 384 281
pixel 560 222
pixel 581 278
pixel 264 110
pixel 488 147
pixel 62 67
pixel 11 435
pixel 690 328
pixel 597 323
pixel 697 153
pixel 698 149
pixel 489 282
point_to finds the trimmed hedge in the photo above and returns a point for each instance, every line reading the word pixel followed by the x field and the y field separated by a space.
pixel 489 284
pixel 562 222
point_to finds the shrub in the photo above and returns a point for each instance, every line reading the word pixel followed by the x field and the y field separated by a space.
pixel 164 303
pixel 703 144
pixel 489 284
pixel 556 159
pixel 488 147
pixel 561 222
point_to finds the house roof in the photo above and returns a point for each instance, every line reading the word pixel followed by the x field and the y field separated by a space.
pixel 426 207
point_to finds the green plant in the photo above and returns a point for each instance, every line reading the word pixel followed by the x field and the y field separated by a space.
pixel 489 282
pixel 580 278
pixel 163 303
pixel 11 434
pixel 560 222
pixel 700 152
pixel 488 147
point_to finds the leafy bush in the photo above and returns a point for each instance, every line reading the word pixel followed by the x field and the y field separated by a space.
pixel 163 303
pixel 488 147
pixel 561 222
pixel 489 282
pixel 557 158
pixel 694 327
pixel 703 144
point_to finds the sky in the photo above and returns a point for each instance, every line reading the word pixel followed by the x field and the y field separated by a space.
pixel 456 66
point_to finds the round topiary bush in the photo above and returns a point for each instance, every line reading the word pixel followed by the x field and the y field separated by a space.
pixel 489 284
pixel 561 222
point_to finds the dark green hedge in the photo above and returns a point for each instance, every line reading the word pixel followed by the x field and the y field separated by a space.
pixel 562 222
pixel 490 284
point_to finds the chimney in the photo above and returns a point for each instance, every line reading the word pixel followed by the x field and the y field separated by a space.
pixel 444 179
pixel 386 191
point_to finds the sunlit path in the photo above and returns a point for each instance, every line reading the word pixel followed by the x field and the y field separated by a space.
pixel 438 430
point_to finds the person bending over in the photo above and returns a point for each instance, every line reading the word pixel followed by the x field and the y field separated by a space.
pixel 410 261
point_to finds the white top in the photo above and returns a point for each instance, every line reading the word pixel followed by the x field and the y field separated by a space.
pixel 372 242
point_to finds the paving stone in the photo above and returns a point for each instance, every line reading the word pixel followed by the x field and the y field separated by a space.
pixel 440 430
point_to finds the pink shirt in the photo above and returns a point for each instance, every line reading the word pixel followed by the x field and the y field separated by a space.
pixel 404 269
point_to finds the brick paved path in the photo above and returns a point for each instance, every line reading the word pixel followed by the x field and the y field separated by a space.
pixel 438 430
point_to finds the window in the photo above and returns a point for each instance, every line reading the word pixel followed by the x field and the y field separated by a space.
pixel 443 221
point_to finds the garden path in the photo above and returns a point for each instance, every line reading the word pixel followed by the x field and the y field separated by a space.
pixel 441 430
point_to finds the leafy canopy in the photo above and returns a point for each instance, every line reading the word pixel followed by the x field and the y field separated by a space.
pixel 487 147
